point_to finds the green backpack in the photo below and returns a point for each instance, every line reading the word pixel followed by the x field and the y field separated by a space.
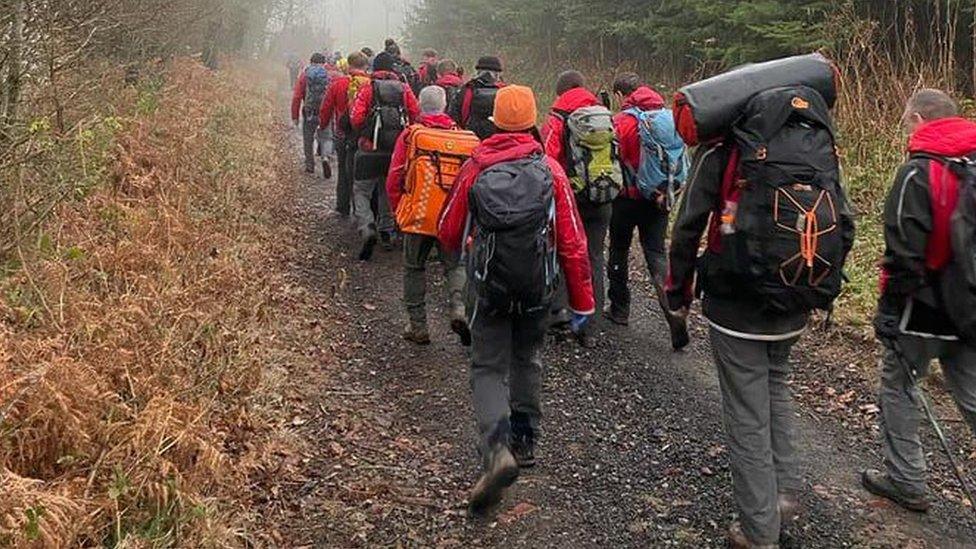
pixel 592 160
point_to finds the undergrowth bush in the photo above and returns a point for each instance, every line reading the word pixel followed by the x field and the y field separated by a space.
pixel 129 318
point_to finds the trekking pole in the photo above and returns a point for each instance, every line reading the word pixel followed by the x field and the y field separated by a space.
pixel 913 379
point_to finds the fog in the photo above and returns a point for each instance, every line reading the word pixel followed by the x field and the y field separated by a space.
pixel 357 23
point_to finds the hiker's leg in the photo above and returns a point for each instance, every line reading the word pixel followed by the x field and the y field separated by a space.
pixel 904 456
pixel 526 377
pixel 327 143
pixel 384 217
pixel 781 423
pixel 622 223
pixel 960 372
pixel 596 222
pixel 491 358
pixel 309 128
pixel 344 179
pixel 416 249
pixel 653 228
pixel 362 202
pixel 743 373
pixel 455 276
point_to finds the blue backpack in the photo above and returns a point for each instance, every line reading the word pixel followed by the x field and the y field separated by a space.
pixel 316 83
pixel 663 160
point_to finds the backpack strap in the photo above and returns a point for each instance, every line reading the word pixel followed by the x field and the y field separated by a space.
pixel 567 140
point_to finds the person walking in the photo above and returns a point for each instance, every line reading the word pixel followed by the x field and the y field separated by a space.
pixel 335 108
pixel 380 112
pixel 306 101
pixel 425 160
pixel 774 180
pixel 913 319
pixel 515 208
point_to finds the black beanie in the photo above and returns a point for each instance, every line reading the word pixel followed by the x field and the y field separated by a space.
pixel 489 63
pixel 383 62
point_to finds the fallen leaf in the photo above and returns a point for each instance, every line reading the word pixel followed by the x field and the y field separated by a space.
pixel 520 510
pixel 369 306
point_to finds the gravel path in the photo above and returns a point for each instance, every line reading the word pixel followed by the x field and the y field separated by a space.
pixel 632 454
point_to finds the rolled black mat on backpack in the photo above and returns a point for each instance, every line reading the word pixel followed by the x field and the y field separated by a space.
pixel 705 110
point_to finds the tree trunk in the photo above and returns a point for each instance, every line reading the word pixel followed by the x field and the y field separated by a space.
pixel 13 80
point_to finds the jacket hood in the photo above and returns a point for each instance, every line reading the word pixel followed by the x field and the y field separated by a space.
pixel 450 80
pixel 503 147
pixel 439 120
pixel 645 99
pixel 575 98
pixel 944 137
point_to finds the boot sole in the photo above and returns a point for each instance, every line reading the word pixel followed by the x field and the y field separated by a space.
pixel 367 250
pixel 460 328
pixel 492 493
pixel 882 493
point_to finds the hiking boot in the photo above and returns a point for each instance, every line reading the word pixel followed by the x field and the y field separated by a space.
pixel 369 242
pixel 586 339
pixel 678 325
pixel 386 240
pixel 309 168
pixel 738 539
pixel 460 327
pixel 789 509
pixel 880 484
pixel 417 333
pixel 502 472
pixel 523 448
pixel 617 316
pixel 559 321
pixel 326 170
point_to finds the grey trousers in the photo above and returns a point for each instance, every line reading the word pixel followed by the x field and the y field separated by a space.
pixel 362 198
pixel 596 224
pixel 506 375
pixel 345 150
pixel 310 134
pixel 757 410
pixel 416 252
pixel 900 412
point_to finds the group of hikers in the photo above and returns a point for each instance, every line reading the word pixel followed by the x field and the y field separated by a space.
pixel 457 171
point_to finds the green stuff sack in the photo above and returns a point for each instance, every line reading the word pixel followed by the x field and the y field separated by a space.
pixel 593 163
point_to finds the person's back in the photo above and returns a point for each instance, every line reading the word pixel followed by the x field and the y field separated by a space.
pixel 307 100
pixel 473 111
pixel 511 290
pixel 926 301
pixel 336 110
pixel 449 79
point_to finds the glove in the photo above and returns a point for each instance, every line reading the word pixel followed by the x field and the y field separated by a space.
pixel 886 325
pixel 578 322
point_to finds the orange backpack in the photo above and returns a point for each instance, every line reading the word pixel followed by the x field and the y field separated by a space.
pixel 434 158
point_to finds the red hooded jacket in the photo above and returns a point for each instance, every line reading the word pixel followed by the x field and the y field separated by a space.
pixel 571 239
pixel 336 101
pixel 628 138
pixel 450 81
pixel 554 127
pixel 364 101
pixel 398 164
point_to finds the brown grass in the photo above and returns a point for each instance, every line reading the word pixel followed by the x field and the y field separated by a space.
pixel 129 370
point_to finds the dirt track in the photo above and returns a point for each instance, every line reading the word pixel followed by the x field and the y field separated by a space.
pixel 632 451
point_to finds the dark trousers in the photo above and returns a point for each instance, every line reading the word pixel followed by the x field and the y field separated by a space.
pixel 310 133
pixel 652 225
pixel 596 222
pixel 345 150
pixel 506 375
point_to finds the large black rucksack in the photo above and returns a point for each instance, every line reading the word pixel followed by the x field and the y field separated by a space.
pixel 957 281
pixel 788 241
pixel 316 83
pixel 512 263
pixel 387 116
pixel 481 108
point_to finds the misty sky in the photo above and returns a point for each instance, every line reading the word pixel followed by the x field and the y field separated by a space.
pixel 366 23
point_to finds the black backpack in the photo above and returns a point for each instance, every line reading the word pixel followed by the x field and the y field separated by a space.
pixel 512 263
pixel 387 116
pixel 482 107
pixel 957 281
pixel 788 242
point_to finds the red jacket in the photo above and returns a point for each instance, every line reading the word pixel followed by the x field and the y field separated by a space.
pixel 571 239
pixel 450 81
pixel 298 95
pixel 398 164
pixel 336 100
pixel 628 138
pixel 552 130
pixel 364 101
